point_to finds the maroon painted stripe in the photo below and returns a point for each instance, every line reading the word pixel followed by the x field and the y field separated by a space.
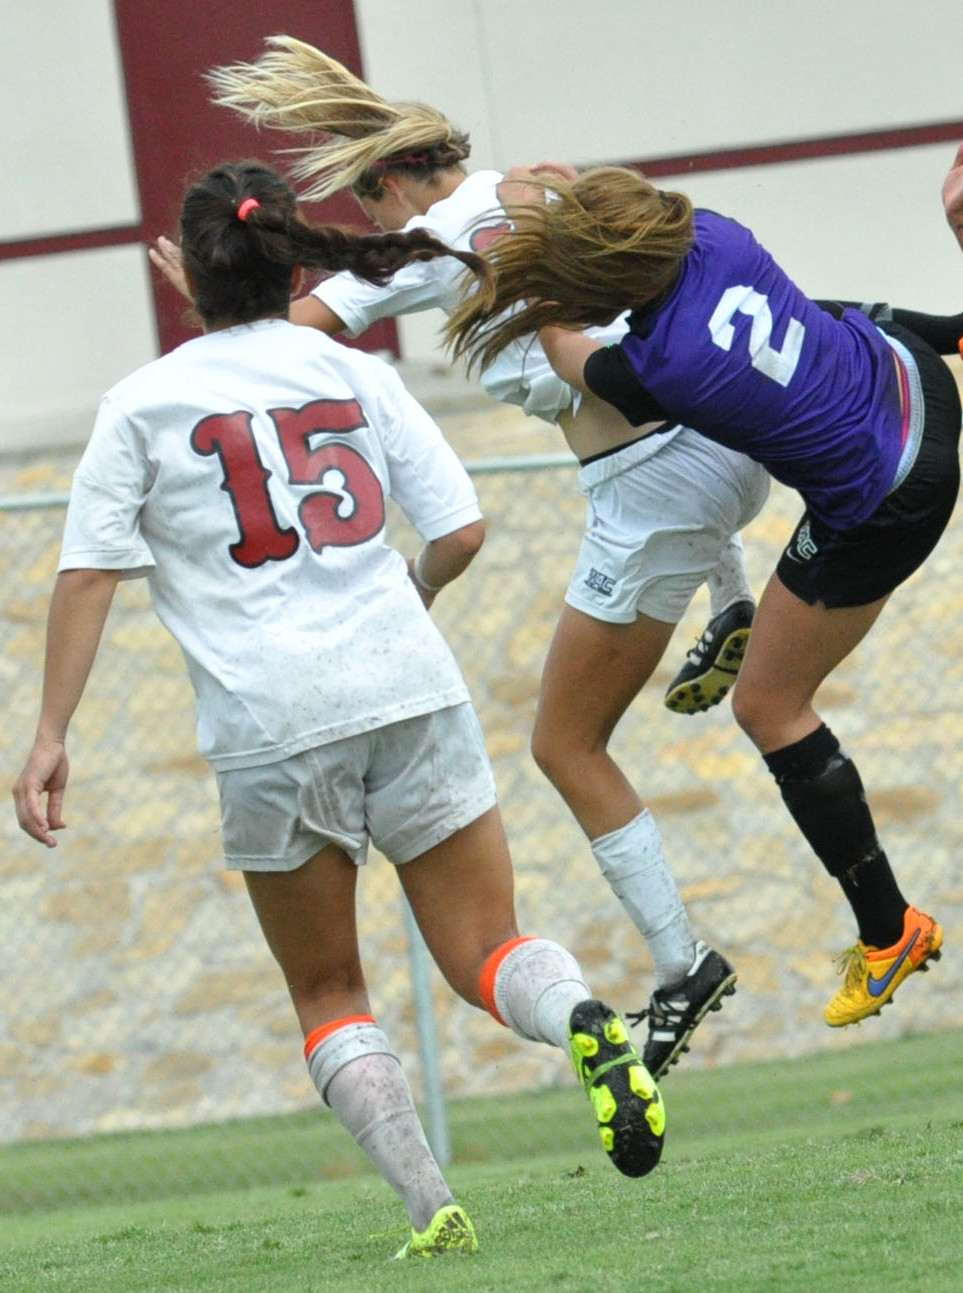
pixel 56 243
pixel 722 159
pixel 796 150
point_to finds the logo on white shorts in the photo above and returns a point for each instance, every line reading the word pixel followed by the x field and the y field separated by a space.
pixel 600 583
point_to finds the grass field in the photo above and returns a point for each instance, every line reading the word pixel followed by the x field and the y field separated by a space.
pixel 836 1172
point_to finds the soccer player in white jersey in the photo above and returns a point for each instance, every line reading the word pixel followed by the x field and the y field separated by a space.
pixel 664 509
pixel 245 474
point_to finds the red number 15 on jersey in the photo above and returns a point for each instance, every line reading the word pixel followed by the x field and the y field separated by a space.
pixel 347 508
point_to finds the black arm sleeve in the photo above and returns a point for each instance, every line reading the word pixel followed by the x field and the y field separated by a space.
pixel 609 375
pixel 941 331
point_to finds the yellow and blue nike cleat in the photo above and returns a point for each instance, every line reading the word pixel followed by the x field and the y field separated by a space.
pixel 874 973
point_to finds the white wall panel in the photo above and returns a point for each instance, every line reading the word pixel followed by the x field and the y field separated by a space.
pixel 75 323
pixel 865 226
pixel 64 146
pixel 434 51
pixel 633 79
pixel 639 78
pixel 636 78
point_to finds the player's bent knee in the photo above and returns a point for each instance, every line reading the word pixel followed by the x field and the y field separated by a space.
pixel 752 714
pixel 767 724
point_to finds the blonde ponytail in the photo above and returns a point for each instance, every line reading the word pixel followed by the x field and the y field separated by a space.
pixel 296 88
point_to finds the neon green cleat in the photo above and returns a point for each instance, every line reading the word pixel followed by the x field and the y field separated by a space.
pixel 626 1100
pixel 874 973
pixel 449 1231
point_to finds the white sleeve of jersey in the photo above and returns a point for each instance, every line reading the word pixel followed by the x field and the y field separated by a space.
pixel 427 480
pixel 422 286
pixel 102 529
pixel 466 219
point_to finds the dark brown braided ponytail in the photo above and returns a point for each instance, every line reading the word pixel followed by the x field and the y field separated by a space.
pixel 240 268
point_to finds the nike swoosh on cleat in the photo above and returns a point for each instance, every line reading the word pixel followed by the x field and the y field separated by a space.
pixel 878 986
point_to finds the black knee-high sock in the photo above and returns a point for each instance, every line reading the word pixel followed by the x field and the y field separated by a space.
pixel 822 790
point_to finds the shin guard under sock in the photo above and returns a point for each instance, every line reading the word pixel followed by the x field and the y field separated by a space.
pixel 823 791
pixel 360 1077
pixel 532 985
pixel 633 861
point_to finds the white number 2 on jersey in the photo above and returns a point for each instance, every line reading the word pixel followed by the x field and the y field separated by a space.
pixel 777 364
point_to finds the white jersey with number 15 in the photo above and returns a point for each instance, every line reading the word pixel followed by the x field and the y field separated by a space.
pixel 245 474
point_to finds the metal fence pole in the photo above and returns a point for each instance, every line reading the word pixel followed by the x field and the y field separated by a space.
pixel 420 965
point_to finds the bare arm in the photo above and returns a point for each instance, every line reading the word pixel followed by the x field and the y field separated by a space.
pixel 75 622
pixel 567 352
pixel 953 196
pixel 444 559
pixel 311 312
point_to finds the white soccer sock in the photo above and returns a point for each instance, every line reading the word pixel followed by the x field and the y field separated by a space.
pixel 632 859
pixel 535 985
pixel 727 581
pixel 360 1077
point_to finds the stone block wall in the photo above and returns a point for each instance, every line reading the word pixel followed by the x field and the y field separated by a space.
pixel 135 989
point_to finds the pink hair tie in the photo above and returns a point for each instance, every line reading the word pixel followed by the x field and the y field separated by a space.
pixel 246 207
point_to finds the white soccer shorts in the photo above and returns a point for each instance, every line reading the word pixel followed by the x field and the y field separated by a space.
pixel 407 786
pixel 661 513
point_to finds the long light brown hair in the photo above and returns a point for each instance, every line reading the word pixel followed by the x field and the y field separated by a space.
pixel 355 134
pixel 606 242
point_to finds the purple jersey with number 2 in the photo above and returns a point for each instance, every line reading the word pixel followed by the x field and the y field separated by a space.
pixel 740 354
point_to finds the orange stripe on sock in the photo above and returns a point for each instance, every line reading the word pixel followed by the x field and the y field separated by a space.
pixel 486 980
pixel 315 1038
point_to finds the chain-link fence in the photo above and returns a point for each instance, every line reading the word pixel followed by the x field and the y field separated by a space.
pixel 135 989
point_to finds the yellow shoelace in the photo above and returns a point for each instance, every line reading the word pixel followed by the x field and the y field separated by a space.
pixel 852 963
